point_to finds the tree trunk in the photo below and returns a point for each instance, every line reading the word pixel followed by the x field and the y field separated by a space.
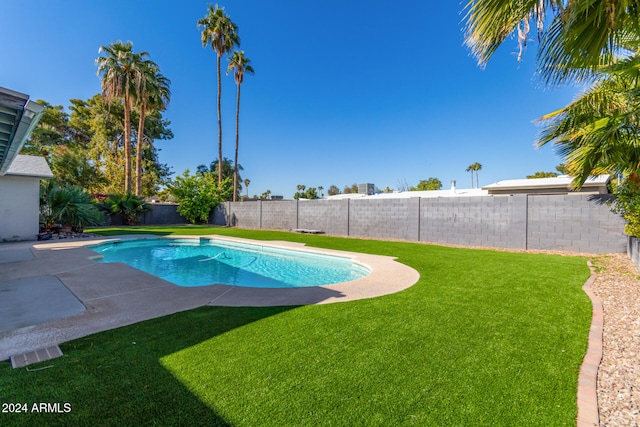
pixel 139 150
pixel 219 123
pixel 127 142
pixel 235 164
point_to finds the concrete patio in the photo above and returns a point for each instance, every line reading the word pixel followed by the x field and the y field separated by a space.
pixel 55 292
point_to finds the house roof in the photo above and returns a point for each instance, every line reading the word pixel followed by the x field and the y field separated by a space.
pixel 32 166
pixel 18 117
pixel 558 182
pixel 454 192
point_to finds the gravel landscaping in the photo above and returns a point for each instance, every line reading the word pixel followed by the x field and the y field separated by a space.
pixel 618 287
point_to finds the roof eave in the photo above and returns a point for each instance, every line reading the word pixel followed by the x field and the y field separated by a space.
pixel 28 121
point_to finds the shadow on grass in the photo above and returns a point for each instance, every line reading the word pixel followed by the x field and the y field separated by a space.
pixel 116 377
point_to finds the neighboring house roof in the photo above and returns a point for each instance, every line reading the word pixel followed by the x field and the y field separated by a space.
pixel 453 192
pixel 557 185
pixel 32 166
pixel 562 183
pixel 18 117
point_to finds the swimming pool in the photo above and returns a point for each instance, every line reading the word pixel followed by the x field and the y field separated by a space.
pixel 206 261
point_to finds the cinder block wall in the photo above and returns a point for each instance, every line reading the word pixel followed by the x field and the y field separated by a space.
pixel 330 216
pixel 161 214
pixel 385 218
pixel 577 222
pixel 279 214
pixel 244 215
pixel 582 223
pixel 475 221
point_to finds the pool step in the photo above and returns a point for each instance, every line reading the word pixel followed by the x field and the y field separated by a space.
pixel 36 356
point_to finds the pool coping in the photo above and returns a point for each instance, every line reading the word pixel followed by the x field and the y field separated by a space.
pixel 387 276
pixel 115 294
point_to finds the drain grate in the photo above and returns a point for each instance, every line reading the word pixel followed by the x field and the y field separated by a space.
pixel 35 356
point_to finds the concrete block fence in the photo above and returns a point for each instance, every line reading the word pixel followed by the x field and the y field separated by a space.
pixel 575 222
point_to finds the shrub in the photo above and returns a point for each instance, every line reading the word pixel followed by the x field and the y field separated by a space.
pixel 69 205
pixel 198 194
pixel 128 205
pixel 627 203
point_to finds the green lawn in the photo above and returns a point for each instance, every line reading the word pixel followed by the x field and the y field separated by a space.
pixel 484 338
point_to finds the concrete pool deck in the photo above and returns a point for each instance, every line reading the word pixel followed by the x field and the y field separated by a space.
pixel 55 292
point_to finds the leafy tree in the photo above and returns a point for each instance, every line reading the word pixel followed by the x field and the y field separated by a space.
pixel 310 193
pixel 627 203
pixel 84 147
pixel 198 194
pixel 542 175
pixel 265 195
pixel 52 131
pixel 320 188
pixel 353 189
pixel 333 190
pixel 122 74
pixel 128 205
pixel 428 184
pixel 221 34
pixel 240 65
pixel 71 166
pixel 228 169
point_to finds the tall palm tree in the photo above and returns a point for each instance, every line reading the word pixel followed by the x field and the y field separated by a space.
pixel 122 75
pixel 222 34
pixel 154 93
pixel 246 184
pixel 240 65
pixel 470 169
pixel 476 167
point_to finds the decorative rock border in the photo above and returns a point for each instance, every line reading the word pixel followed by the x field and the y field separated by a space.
pixel 588 415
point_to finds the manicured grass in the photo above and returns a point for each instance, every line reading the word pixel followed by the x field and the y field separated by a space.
pixel 484 338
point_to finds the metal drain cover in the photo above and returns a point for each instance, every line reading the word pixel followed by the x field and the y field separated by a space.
pixel 35 356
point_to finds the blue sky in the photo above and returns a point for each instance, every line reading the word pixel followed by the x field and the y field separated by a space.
pixel 344 92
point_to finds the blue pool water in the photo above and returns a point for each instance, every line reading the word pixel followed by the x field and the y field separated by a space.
pixel 200 262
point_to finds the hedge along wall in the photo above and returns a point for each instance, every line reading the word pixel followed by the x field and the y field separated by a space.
pixel 576 222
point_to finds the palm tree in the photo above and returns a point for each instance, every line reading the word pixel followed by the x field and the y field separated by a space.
pixel 222 34
pixel 599 132
pixel 476 167
pixel 246 184
pixel 589 42
pixel 239 64
pixel 580 36
pixel 154 93
pixel 121 72
pixel 470 169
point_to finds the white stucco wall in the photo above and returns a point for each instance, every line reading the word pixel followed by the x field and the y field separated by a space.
pixel 19 208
